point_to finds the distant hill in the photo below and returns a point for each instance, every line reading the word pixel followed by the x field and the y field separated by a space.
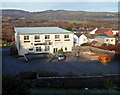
pixel 58 14
pixel 10 13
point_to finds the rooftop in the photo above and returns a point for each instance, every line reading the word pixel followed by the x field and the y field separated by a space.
pixel 103 37
pixel 40 30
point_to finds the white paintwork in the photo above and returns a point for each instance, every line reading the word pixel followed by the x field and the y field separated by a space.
pixel 107 40
pixel 80 40
pixel 110 41
pixel 93 31
pixel 23 48
pixel 115 32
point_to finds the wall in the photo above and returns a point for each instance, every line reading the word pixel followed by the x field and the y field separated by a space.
pixel 24 47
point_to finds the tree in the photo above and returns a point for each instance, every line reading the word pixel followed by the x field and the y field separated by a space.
pixel 69 28
pixel 13 51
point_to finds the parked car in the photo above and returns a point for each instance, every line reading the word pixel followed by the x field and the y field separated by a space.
pixel 60 57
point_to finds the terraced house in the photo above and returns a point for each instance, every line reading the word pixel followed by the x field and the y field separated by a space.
pixel 42 40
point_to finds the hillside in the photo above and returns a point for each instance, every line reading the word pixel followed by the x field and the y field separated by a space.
pixel 58 15
pixel 58 18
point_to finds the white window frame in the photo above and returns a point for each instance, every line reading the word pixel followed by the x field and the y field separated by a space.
pixel 57 36
pixel 47 48
pixel 66 36
pixel 38 49
pixel 47 36
pixel 37 37
pixel 26 37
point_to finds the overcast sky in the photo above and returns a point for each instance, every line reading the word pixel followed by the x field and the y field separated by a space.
pixel 59 0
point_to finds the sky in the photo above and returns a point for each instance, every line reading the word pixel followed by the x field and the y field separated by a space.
pixel 60 0
pixel 74 6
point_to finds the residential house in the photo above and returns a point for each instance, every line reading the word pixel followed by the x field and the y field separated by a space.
pixel 42 40
pixel 105 39
pixel 99 31
pixel 93 31
pixel 79 39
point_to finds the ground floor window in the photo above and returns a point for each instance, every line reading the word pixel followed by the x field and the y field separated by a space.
pixel 54 50
pixel 65 48
pixel 47 48
pixel 38 48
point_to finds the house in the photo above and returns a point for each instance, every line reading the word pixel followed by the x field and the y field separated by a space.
pixel 99 31
pixel 42 40
pixel 105 39
pixel 93 31
pixel 113 33
pixel 79 39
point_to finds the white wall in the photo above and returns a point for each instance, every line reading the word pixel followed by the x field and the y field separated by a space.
pixel 110 41
pixel 24 47
pixel 82 39
pixel 93 31
pixel 76 40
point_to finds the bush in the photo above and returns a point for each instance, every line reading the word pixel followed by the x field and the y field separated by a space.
pixel 13 51
pixel 11 86
pixel 70 74
pixel 48 74
pixel 85 44
pixel 60 51
pixel 108 84
pixel 104 44
pixel 69 28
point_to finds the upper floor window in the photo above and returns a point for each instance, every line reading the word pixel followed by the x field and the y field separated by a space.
pixel 57 36
pixel 111 39
pixel 47 36
pixel 66 36
pixel 37 37
pixel 26 37
pixel 106 39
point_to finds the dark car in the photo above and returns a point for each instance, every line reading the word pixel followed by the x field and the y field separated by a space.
pixel 60 57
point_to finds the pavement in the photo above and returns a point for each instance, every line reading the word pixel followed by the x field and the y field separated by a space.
pixel 77 65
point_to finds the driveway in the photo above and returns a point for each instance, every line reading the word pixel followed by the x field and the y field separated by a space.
pixel 77 65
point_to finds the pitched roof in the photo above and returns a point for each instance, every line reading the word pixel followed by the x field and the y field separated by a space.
pixel 101 31
pixel 78 34
pixel 40 30
pixel 90 35
pixel 109 33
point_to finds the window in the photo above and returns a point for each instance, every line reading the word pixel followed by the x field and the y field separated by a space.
pixel 66 36
pixel 112 40
pixel 38 48
pixel 57 36
pixel 67 40
pixel 47 36
pixel 37 37
pixel 26 37
pixel 66 48
pixel 26 41
pixel 30 49
pixel 47 48
pixel 106 39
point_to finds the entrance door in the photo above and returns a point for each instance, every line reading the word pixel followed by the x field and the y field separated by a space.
pixel 54 50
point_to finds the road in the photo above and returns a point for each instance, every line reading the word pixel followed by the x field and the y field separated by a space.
pixel 77 65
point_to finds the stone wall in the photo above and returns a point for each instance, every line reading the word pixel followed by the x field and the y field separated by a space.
pixel 92 49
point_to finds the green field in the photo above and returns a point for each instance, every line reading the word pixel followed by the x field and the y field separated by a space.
pixel 78 21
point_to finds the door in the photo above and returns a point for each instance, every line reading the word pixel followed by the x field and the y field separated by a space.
pixel 54 50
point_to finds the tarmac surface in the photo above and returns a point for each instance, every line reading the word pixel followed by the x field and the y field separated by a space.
pixel 74 64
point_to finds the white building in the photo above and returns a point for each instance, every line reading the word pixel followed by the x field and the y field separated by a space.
pixel 79 39
pixel 42 40
pixel 105 39
pixel 93 31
